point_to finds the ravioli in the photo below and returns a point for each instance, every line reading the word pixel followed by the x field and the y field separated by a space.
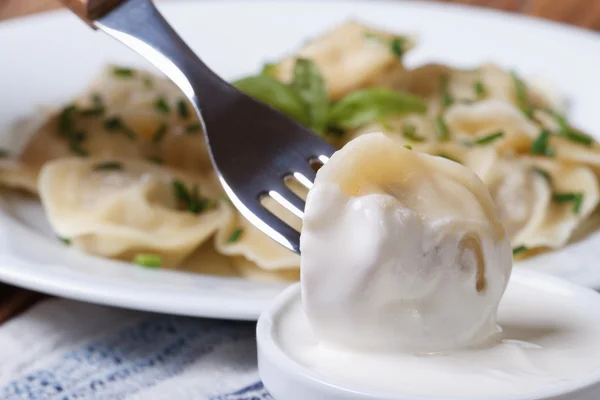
pixel 136 208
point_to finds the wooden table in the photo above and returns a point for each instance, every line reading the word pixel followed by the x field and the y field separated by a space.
pixel 584 13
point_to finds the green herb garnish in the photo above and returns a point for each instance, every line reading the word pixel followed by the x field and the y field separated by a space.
pixel 66 123
pixel 518 250
pixel 235 235
pixel 409 131
pixel 162 105
pixel 479 89
pixel 448 157
pixel 155 160
pixel 193 128
pixel 282 97
pixel 182 109
pixel 92 111
pixel 445 96
pixel 408 146
pixel 335 130
pixel 576 198
pixel 309 85
pixel 148 260
pixel 521 94
pixel 269 69
pixel 109 165
pixel 540 145
pixel 76 149
pixel 113 124
pixel 148 83
pixel 122 72
pixel 485 139
pixel 158 136
pixel 4 153
pixel 543 173
pixel 565 131
pixel 65 241
pixel 191 200
pixel 116 124
pixel 365 105
pixel 397 45
pixel 441 129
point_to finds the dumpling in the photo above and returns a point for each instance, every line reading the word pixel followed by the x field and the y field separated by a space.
pixel 121 208
pixel 476 121
pixel 14 175
pixel 349 57
pixel 411 235
pixel 238 237
pixel 541 200
pixel 125 113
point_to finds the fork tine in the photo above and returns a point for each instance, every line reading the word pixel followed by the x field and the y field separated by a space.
pixel 288 199
pixel 276 228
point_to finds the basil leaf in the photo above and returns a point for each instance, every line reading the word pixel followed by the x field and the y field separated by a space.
pixel 269 90
pixel 363 106
pixel 310 87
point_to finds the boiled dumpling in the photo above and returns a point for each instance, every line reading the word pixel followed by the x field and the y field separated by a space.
pixel 238 237
pixel 541 200
pixel 409 235
pixel 349 57
pixel 125 113
pixel 477 121
pixel 121 208
pixel 14 175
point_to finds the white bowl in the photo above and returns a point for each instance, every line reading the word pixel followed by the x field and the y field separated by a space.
pixel 287 379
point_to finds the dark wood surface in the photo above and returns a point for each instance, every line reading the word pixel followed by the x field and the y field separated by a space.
pixel 583 13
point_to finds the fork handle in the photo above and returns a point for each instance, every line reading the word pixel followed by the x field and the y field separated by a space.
pixel 89 10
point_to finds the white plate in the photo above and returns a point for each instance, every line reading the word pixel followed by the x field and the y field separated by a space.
pixel 48 58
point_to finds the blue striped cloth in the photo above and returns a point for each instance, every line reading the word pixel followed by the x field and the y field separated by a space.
pixel 63 349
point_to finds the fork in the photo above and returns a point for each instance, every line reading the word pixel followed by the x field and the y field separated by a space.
pixel 253 147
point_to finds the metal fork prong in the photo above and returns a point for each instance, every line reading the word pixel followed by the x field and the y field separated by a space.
pixel 264 220
pixel 303 180
pixel 288 199
pixel 306 170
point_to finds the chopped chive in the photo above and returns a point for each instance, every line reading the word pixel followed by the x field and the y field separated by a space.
pixel 540 145
pixel 76 149
pixel 158 136
pixel 93 111
pixel 66 241
pixel 122 72
pixel 408 146
pixel 409 131
pixel 397 46
pixel 486 139
pixel 447 99
pixel 518 250
pixel 148 83
pixel 191 201
pixel 155 160
pixel 181 193
pixel 269 69
pixel 479 89
pixel 65 120
pixel 162 105
pixel 148 260
pixel 4 153
pixel 235 236
pixel 183 110
pixel 113 124
pixel 193 128
pixel 543 173
pixel 565 130
pixel 448 157
pixel 521 94
pixel 441 129
pixel 576 198
pixel 109 165
pixel 334 130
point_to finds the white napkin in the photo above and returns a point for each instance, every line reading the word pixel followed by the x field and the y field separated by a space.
pixel 62 349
